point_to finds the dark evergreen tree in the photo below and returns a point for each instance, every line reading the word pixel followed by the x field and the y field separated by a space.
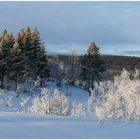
pixel 27 56
pixel 42 65
pixel 92 66
pixel 6 43
pixel 24 41
pixel 17 62
pixel 31 48
pixel 36 45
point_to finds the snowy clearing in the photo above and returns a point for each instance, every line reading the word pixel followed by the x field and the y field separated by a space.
pixel 15 122
pixel 17 125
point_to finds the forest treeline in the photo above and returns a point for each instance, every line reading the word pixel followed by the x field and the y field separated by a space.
pixel 23 57
pixel 114 64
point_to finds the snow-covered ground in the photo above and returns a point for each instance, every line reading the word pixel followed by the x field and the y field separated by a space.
pixel 17 125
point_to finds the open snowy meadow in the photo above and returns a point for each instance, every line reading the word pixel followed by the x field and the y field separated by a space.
pixel 28 117
pixel 17 125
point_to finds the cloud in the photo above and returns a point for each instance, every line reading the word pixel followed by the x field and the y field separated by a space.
pixel 65 23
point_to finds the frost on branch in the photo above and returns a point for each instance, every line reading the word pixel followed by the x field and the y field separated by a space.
pixel 109 108
pixel 78 109
pixel 91 103
pixel 50 102
pixel 37 106
pixel 24 103
pixel 8 101
pixel 122 100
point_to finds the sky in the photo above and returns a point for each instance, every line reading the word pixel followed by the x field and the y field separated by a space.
pixel 113 26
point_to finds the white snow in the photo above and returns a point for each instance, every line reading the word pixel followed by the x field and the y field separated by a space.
pixel 17 125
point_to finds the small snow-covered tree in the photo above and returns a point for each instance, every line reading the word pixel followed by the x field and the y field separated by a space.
pixel 50 102
pixel 37 106
pixel 24 103
pixel 78 109
pixel 136 74
pixel 121 100
pixel 91 102
pixel 109 109
pixel 60 103
pixel 8 101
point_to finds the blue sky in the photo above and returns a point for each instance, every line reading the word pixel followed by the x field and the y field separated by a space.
pixel 113 26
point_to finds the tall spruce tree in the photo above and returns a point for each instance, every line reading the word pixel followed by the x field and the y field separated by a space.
pixel 92 66
pixel 6 43
pixel 35 58
pixel 17 61
pixel 36 45
pixel 42 65
pixel 26 54
pixel 24 43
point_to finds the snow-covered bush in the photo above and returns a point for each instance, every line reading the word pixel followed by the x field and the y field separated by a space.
pixel 50 102
pixel 91 103
pixel 37 82
pixel 24 103
pixel 8 101
pixel 110 108
pixel 78 109
pixel 136 74
pixel 59 103
pixel 37 106
pixel 122 100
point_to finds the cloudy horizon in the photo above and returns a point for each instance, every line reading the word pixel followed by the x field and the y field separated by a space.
pixel 113 26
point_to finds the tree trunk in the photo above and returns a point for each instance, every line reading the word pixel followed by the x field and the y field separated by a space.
pixel 41 83
pixel 2 80
pixel 16 85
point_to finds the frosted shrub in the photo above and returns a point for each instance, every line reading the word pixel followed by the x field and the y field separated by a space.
pixel 24 103
pixel 102 88
pixel 8 101
pixel 91 103
pixel 130 93
pixel 37 106
pixel 110 108
pixel 50 102
pixel 37 82
pixel 136 74
pixel 78 110
pixel 59 103
pixel 122 100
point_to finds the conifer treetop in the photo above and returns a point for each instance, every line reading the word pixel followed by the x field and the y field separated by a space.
pixel 92 49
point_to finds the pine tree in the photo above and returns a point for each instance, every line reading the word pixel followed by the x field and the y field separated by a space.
pixel 92 66
pixel 42 65
pixel 6 43
pixel 24 40
pixel 34 53
pixel 17 69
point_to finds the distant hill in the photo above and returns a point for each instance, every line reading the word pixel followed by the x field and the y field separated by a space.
pixel 114 63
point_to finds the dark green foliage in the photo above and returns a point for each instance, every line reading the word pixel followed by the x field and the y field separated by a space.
pixel 42 65
pixel 6 44
pixel 92 66
pixel 17 64
pixel 22 57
